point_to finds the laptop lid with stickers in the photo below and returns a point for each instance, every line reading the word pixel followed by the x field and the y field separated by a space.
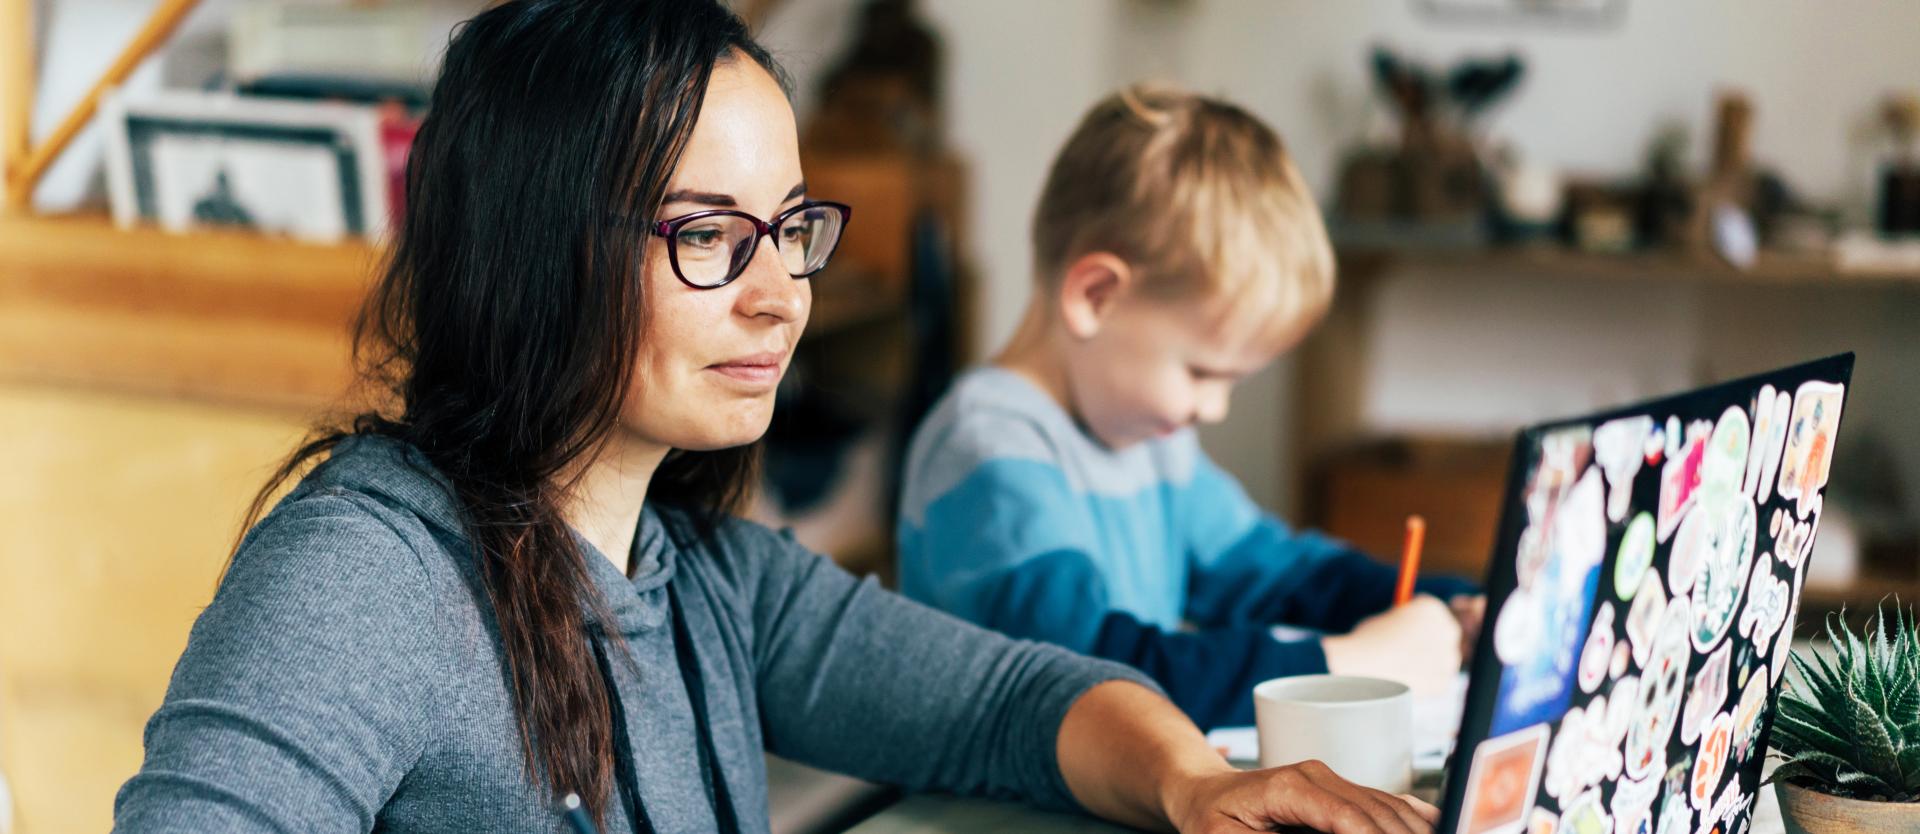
pixel 1640 604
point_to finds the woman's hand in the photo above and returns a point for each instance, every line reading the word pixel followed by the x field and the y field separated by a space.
pixel 1307 794
pixel 1131 756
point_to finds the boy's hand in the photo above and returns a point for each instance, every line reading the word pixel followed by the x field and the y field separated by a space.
pixel 1470 610
pixel 1417 644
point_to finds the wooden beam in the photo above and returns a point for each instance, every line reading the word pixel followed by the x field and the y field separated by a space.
pixel 21 180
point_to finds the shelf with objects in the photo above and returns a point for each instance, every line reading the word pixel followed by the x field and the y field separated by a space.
pixel 1489 260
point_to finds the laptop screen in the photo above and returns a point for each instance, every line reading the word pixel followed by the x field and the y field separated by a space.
pixel 1640 604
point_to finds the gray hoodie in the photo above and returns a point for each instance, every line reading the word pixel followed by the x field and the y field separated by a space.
pixel 348 677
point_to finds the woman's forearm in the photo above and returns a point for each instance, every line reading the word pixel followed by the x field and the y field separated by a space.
pixel 1124 751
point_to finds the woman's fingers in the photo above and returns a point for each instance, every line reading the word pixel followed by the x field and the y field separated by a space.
pixel 1427 810
pixel 1361 810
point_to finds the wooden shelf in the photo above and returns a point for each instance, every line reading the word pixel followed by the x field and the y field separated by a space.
pixel 227 317
pixel 1558 262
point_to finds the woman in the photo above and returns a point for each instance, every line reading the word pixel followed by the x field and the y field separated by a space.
pixel 526 582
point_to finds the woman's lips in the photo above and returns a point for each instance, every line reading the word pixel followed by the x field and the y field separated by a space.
pixel 758 370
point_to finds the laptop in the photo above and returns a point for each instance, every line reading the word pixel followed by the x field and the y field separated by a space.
pixel 1640 608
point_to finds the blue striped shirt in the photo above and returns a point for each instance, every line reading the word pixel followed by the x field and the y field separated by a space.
pixel 1013 517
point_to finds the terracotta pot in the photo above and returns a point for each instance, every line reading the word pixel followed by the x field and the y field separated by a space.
pixel 1808 811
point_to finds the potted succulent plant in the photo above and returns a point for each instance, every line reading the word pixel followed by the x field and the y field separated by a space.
pixel 1847 734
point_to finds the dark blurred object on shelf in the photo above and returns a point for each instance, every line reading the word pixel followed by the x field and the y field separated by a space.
pixel 1666 203
pixel 1601 216
pixel 1434 177
pixel 884 95
pixel 1900 176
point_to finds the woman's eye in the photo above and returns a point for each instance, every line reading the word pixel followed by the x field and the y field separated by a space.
pixel 796 233
pixel 700 239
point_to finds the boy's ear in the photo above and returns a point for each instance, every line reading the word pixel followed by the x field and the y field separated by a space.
pixel 1090 287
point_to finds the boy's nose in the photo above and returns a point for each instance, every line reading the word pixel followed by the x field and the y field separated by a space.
pixel 1212 407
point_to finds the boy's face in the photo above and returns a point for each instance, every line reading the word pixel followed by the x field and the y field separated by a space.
pixel 1154 367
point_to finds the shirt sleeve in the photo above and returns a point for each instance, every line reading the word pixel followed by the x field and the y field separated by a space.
pixel 860 680
pixel 298 704
pixel 1011 549
pixel 1248 568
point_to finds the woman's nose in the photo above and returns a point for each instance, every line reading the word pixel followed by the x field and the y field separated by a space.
pixel 768 289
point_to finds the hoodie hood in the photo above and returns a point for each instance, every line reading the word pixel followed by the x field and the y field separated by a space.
pixel 399 476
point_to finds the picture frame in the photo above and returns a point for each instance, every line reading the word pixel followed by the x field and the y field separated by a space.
pixel 311 170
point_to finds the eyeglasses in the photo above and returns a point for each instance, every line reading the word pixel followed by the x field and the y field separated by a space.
pixel 709 249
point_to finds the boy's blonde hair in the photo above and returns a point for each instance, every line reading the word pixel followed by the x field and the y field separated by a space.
pixel 1195 192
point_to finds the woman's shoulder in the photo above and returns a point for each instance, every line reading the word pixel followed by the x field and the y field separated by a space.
pixel 330 547
pixel 735 551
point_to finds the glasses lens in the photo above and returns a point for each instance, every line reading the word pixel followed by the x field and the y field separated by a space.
pixel 711 250
pixel 808 237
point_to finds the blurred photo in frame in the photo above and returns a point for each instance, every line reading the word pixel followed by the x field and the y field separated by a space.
pixel 314 171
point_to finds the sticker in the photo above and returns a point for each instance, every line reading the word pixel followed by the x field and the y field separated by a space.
pixel 1725 461
pixel 1725 538
pixel 1632 800
pixel 1766 607
pixel 1598 650
pixel 1516 632
pixel 1586 749
pixel 1711 762
pixel 1689 552
pixel 1676 816
pixel 1673 437
pixel 1729 807
pixel 1809 449
pixel 1709 695
pixel 1796 537
pixel 1757 445
pixel 1622 659
pixel 1773 527
pixel 1679 478
pixel 1634 557
pixel 1584 816
pixel 1656 446
pixel 1776 441
pixel 1780 648
pixel 1619 447
pixel 1501 784
pixel 1542 821
pixel 1541 643
pixel 1661 686
pixel 1746 718
pixel 1649 603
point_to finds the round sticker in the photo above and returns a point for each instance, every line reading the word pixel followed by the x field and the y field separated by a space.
pixel 1726 462
pixel 1726 540
pixel 1634 557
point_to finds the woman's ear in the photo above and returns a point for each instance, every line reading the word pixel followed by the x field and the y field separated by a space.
pixel 1090 288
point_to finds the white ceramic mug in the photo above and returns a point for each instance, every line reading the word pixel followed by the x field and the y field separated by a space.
pixel 1362 728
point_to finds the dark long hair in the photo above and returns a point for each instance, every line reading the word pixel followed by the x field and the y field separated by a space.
pixel 505 327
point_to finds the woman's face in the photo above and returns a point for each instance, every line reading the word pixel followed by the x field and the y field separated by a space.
pixel 710 359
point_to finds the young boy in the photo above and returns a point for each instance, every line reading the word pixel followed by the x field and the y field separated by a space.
pixel 1060 494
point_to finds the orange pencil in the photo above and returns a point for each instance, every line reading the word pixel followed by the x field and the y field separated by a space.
pixel 1410 559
